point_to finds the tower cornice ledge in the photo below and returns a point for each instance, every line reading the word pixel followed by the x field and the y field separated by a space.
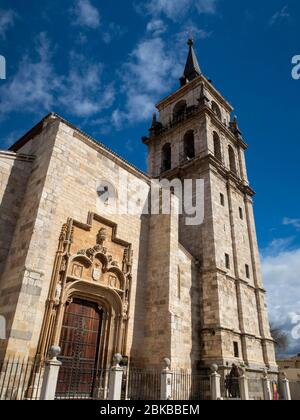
pixel 192 85
pixel 200 111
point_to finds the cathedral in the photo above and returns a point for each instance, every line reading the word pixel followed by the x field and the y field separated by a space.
pixel 76 274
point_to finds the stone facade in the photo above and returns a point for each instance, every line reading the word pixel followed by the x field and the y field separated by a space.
pixel 193 294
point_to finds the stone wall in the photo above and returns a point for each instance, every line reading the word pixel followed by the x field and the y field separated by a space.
pixel 14 172
pixel 23 277
pixel 63 185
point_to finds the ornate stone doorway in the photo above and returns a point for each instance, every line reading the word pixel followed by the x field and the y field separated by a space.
pixel 88 305
pixel 81 350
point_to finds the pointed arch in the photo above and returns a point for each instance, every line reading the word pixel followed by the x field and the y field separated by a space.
pixel 189 145
pixel 179 110
pixel 217 146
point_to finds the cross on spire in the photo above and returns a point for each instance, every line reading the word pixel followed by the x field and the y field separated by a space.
pixel 192 68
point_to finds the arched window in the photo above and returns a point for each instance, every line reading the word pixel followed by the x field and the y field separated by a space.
pixel 179 111
pixel 166 157
pixel 232 161
pixel 216 110
pixel 189 145
pixel 217 147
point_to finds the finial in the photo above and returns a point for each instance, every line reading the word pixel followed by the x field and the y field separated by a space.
pixel 192 68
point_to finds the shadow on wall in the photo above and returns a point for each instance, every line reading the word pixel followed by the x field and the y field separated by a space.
pixel 18 213
pixel 140 299
pixel 10 206
pixel 10 209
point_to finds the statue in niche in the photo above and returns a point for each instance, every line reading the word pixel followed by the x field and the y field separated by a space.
pixel 58 291
pixel 125 309
pixel 102 236
pixel 63 266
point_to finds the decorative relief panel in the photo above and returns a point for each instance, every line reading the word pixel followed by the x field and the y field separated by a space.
pixel 93 253
pixel 89 255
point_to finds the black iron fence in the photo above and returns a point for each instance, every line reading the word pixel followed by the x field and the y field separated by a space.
pixel 82 383
pixel 20 379
pixel 145 384
pixel 190 386
pixel 142 384
pixel 23 379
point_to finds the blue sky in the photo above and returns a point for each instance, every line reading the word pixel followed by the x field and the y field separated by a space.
pixel 102 65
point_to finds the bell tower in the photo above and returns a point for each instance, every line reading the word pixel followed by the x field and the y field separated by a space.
pixel 196 138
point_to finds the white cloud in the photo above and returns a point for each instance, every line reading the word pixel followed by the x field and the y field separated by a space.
pixel 193 31
pixel 292 222
pixel 149 73
pixel 281 273
pixel 281 15
pixel 7 20
pixel 113 31
pixel 37 87
pixel 82 92
pixel 33 84
pixel 206 6
pixel 86 14
pixel 175 10
pixel 156 27
pixel 278 246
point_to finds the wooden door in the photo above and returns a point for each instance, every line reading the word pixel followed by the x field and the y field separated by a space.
pixel 80 338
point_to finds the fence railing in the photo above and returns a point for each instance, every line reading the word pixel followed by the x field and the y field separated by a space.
pixel 82 383
pixel 187 385
pixel 20 379
pixel 142 384
pixel 30 380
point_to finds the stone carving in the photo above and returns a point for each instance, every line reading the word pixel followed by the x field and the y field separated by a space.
pixel 97 273
pixel 113 281
pixel 82 252
pixel 90 253
pixel 115 264
pixel 77 270
pixel 63 233
pixel 98 248
pixel 102 236
pixel 125 309
pixel 58 291
pixel 63 266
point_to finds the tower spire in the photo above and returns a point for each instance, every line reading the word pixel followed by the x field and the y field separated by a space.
pixel 192 68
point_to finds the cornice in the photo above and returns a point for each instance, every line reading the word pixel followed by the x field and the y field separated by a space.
pixel 191 85
pixel 201 111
